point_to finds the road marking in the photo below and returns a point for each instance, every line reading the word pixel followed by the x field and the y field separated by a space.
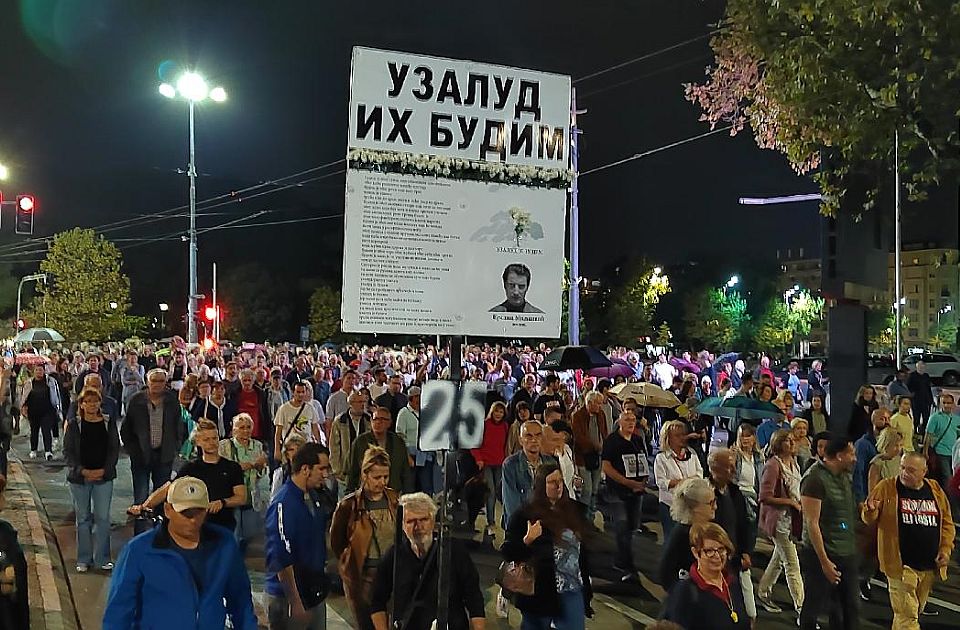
pixel 932 600
pixel 623 609
pixel 38 539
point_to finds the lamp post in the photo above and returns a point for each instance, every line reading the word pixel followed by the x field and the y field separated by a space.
pixel 192 87
pixel 164 307
pixel 4 172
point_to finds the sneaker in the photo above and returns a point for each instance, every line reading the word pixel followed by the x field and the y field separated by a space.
pixel 627 574
pixel 768 604
pixel 49 456
pixel 82 568
pixel 491 532
pixel 33 454
pixel 502 606
pixel 107 566
pixel 929 612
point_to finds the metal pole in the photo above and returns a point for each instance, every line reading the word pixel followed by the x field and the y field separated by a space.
pixel 216 309
pixel 896 247
pixel 443 562
pixel 573 316
pixel 36 276
pixel 191 299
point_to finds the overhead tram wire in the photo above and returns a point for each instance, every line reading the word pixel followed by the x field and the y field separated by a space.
pixel 644 154
pixel 39 244
pixel 646 56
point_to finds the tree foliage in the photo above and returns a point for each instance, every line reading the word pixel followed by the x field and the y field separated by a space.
pixel 774 329
pixel 254 304
pixel 835 79
pixel 633 304
pixel 324 313
pixel 943 335
pixel 664 335
pixel 84 279
pixel 715 318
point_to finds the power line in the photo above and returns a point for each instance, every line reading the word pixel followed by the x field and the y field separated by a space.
pixel 674 66
pixel 637 156
pixel 646 56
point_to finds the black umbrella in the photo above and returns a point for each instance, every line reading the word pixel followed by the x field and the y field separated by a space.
pixel 575 358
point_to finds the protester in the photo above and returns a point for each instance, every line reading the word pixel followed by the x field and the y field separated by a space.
pixel 520 469
pixel 91 447
pixel 401 475
pixel 898 386
pixel 709 596
pixel 283 471
pixel 674 463
pixel 749 470
pixel 921 388
pixel 781 521
pixel 557 441
pixel 694 503
pixel 222 478
pixel 214 408
pixel 489 458
pixel 343 433
pixel 733 515
pixel 295 544
pixel 152 433
pixel 296 415
pixel 886 463
pixel 816 414
pixel 362 532
pixel 338 405
pixel 425 473
pixel 251 400
pixel 393 399
pixel 40 403
pixel 942 431
pixel 131 377
pixel 902 421
pixel 915 533
pixel 549 397
pixel 800 429
pixel 14 594
pixel 866 448
pixel 861 412
pixel 409 575
pixel 590 428
pixel 149 588
pixel 828 561
pixel 248 453
pixel 624 462
pixel 550 532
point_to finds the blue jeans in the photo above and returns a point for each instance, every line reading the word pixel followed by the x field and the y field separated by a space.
pixel 493 477
pixel 572 615
pixel 143 474
pixel 249 524
pixel 93 527
pixel 622 515
pixel 666 521
pixel 591 486
pixel 425 476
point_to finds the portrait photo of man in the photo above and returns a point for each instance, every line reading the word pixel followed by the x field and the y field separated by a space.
pixel 516 282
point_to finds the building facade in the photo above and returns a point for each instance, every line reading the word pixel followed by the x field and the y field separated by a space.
pixel 930 279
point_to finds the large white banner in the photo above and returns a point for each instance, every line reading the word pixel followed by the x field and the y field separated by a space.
pixel 455 199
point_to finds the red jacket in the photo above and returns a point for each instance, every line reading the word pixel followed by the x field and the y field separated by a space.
pixel 494 448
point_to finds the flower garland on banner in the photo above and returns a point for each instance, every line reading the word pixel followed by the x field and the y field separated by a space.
pixel 458 168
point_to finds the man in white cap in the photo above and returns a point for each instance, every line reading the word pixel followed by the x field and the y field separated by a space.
pixel 183 574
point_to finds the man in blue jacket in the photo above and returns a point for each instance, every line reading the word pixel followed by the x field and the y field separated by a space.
pixel 183 574
pixel 295 543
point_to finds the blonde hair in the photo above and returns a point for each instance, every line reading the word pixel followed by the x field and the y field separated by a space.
pixel 203 425
pixel 294 439
pixel 241 417
pixel 888 437
pixel 374 456
pixel 665 433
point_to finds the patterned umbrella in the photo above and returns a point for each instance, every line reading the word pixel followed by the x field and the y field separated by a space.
pixel 37 334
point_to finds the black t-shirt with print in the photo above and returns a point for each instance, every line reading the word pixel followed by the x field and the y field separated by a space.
pixel 220 479
pixel 628 458
pixel 919 521
pixel 548 400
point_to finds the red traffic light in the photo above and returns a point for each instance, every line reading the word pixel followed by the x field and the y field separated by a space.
pixel 210 313
pixel 208 343
pixel 26 203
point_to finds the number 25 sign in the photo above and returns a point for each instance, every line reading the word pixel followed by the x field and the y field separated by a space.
pixel 452 417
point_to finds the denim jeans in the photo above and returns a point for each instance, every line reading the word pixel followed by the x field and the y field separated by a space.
pixel 493 477
pixel 841 599
pixel 425 476
pixel 572 615
pixel 591 486
pixel 249 524
pixel 278 616
pixel 623 514
pixel 93 526
pixel 142 474
pixel 666 521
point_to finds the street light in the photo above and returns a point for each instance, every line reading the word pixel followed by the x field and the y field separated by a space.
pixel 164 307
pixel 733 281
pixel 4 172
pixel 193 87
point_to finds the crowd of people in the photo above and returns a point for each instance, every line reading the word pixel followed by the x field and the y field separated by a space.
pixel 316 451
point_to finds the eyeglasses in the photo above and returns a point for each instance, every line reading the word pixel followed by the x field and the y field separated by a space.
pixel 714 552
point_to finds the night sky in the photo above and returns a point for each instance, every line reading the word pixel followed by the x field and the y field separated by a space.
pixel 84 128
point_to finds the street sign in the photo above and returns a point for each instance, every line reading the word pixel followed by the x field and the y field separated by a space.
pixel 304 334
pixel 451 417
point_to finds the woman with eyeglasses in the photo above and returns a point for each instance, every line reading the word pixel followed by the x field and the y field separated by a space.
pixel 780 520
pixel 709 597
pixel 550 532
pixel 694 503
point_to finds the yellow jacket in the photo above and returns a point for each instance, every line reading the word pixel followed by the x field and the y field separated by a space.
pixel 888 530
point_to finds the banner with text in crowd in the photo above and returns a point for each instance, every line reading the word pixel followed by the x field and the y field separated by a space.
pixel 455 198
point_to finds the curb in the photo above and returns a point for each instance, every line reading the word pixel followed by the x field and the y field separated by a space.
pixel 52 605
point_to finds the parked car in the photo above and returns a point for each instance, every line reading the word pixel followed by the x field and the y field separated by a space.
pixel 943 368
pixel 880 369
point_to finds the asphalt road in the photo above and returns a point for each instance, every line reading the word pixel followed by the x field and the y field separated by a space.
pixel 617 605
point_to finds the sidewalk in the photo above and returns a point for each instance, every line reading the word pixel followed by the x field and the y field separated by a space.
pixel 51 602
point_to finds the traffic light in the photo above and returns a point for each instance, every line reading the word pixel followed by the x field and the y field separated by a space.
pixel 210 313
pixel 207 343
pixel 26 204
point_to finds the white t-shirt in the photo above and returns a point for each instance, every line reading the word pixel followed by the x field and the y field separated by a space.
pixel 665 373
pixel 305 422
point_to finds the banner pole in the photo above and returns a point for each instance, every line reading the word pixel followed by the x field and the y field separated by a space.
pixel 573 316
pixel 443 567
